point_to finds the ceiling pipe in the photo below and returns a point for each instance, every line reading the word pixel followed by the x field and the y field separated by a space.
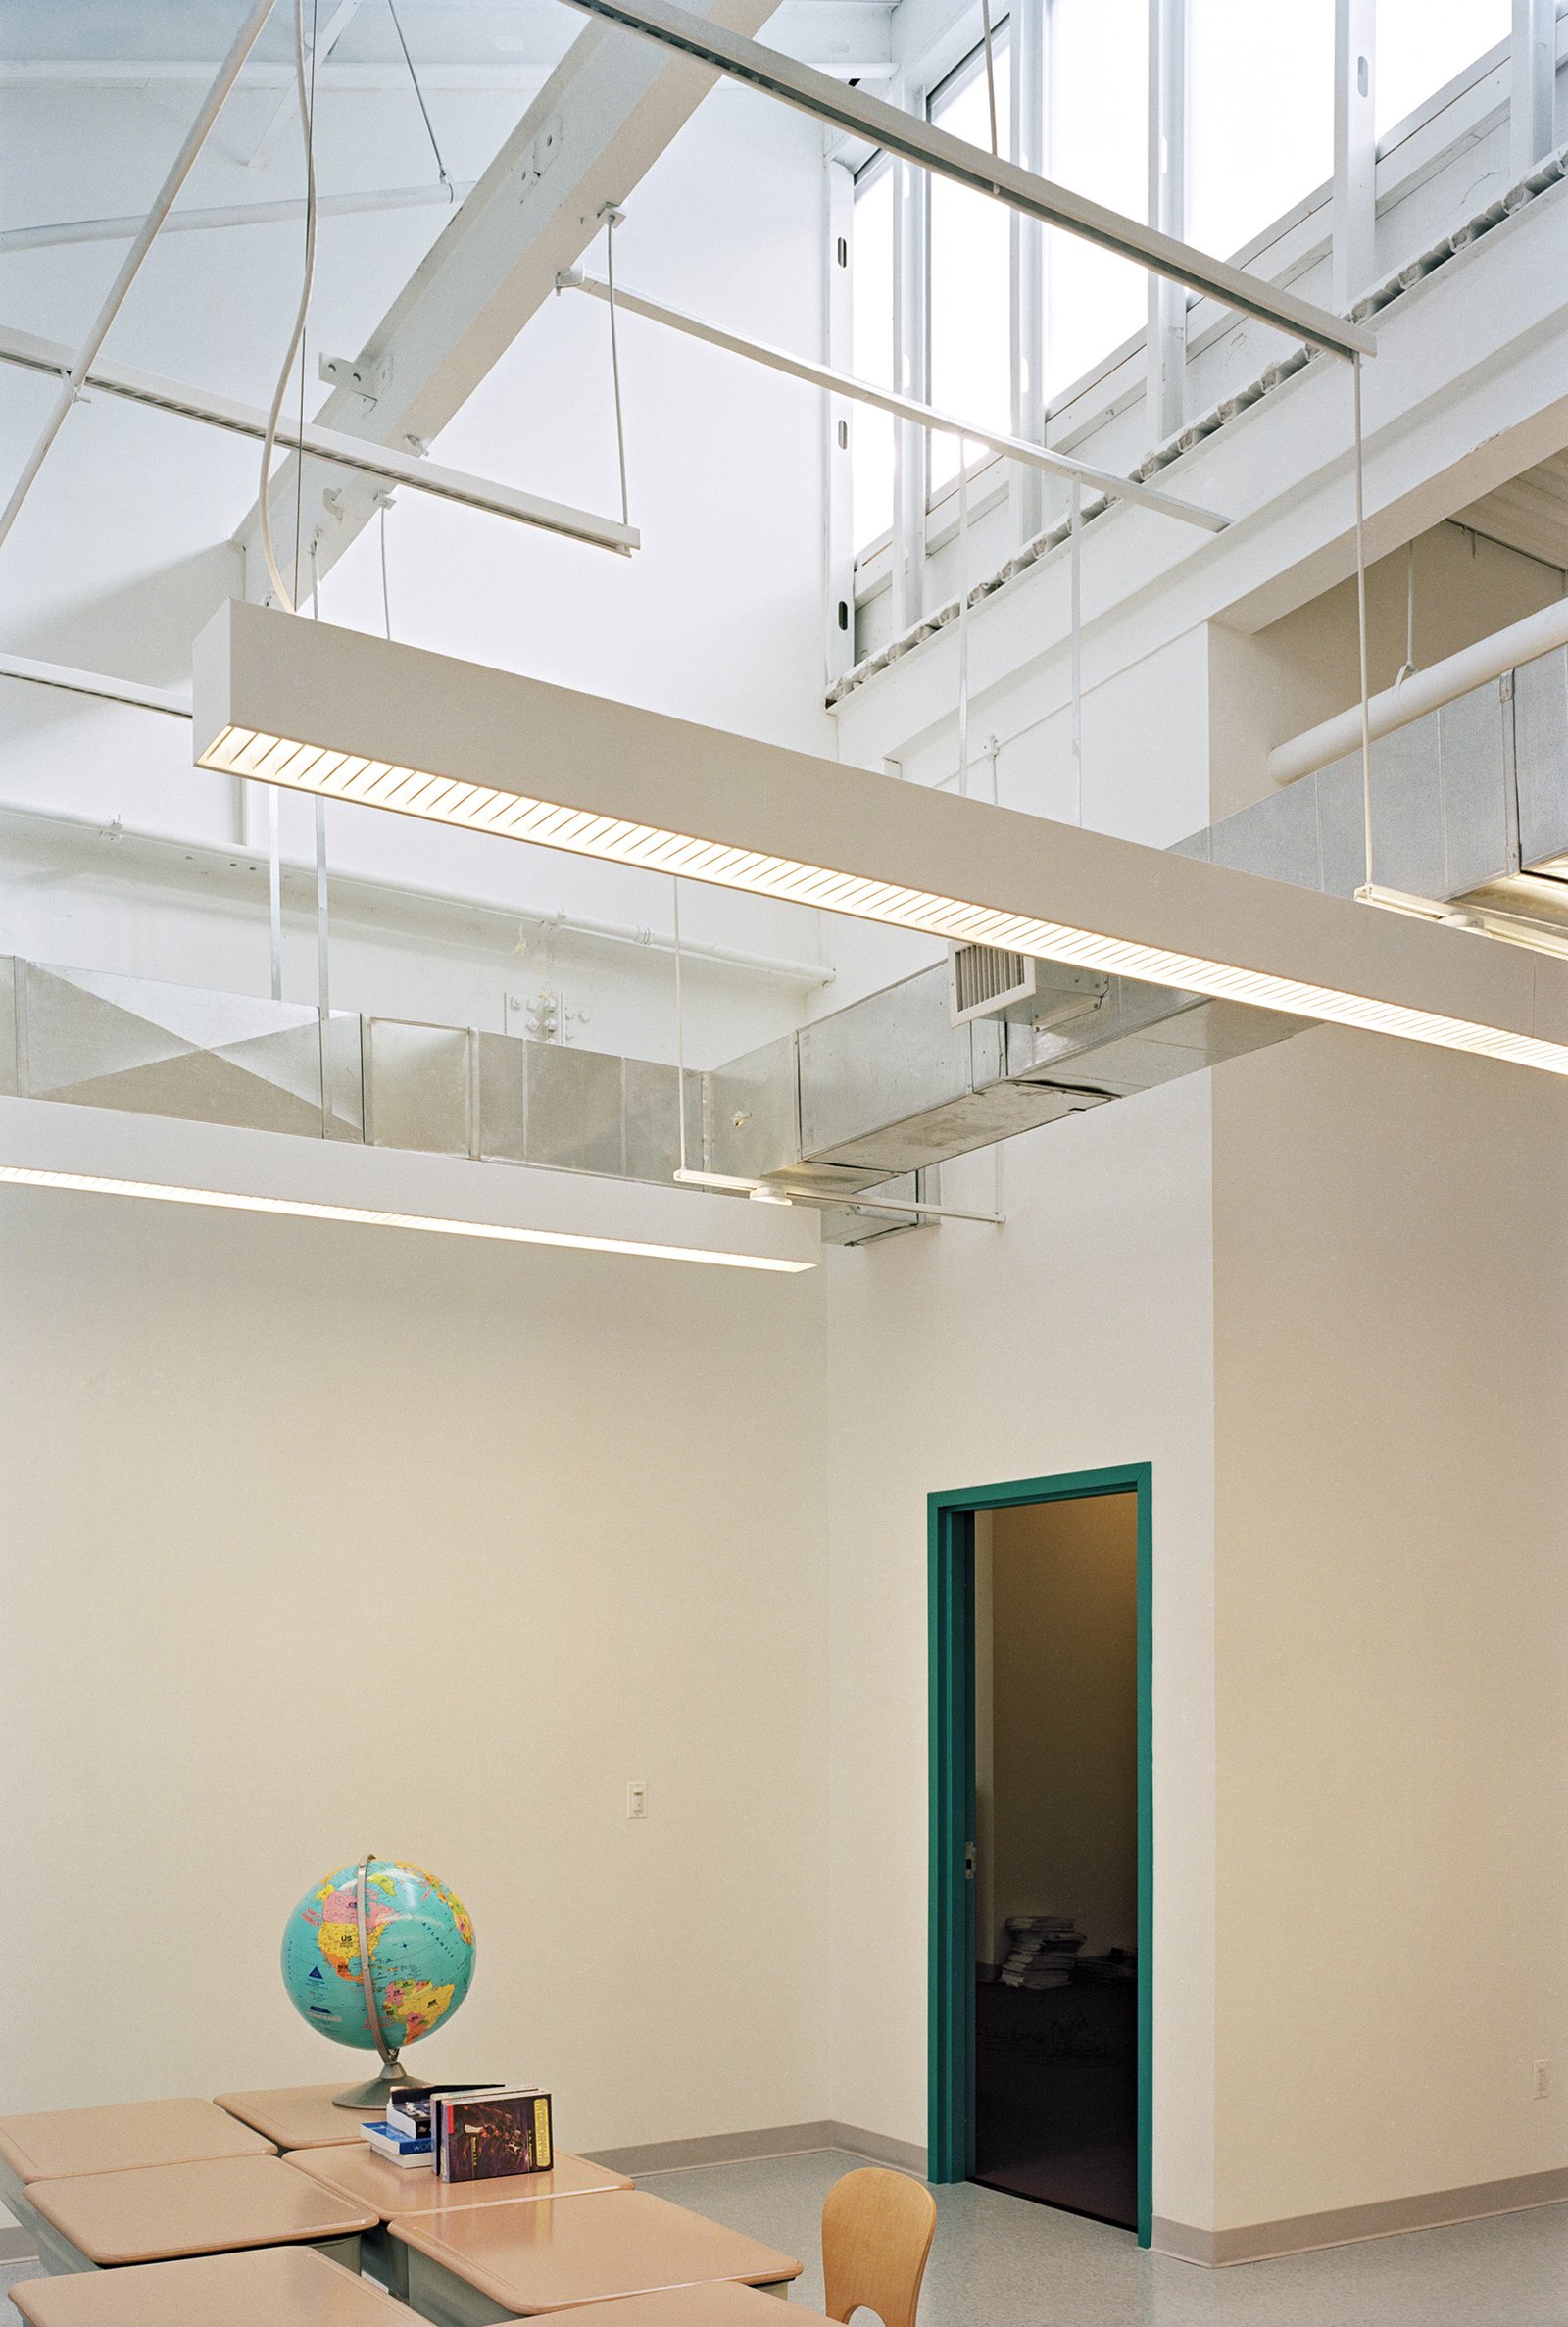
pixel 1411 698
pixel 237 214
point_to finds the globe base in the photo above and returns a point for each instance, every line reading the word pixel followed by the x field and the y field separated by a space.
pixel 379 2088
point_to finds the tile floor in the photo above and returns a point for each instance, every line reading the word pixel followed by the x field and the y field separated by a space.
pixel 1000 2262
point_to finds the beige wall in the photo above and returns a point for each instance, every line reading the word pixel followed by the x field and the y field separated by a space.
pixel 317 1539
pixel 1390 1326
pixel 1064 1649
pixel 1078 1335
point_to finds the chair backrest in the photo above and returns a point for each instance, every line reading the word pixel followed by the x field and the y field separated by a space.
pixel 876 2235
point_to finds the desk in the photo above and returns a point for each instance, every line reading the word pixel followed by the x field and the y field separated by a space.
pixel 497 2262
pixel 719 2303
pixel 273 2286
pixel 155 2213
pixel 413 2192
pixel 299 2116
pixel 62 2142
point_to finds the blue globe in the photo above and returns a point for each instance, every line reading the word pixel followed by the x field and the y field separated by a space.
pixel 422 1953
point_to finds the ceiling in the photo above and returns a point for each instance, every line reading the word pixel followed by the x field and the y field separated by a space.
pixel 1529 513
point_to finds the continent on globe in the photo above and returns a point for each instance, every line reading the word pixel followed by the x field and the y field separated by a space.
pixel 421 1945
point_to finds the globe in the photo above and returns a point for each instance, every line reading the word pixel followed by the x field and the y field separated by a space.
pixel 420 1944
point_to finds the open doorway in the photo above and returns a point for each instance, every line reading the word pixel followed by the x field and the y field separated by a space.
pixel 1042 1845
pixel 1055 2074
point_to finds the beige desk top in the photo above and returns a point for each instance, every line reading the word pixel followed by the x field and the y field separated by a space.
pixel 157 2211
pixel 718 2303
pixel 550 2255
pixel 300 2116
pixel 69 2141
pixel 412 2190
pixel 273 2286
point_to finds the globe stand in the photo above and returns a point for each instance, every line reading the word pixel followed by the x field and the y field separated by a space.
pixel 378 2090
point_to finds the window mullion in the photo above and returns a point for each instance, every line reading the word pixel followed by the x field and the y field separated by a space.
pixel 1167 210
pixel 911 307
pixel 1028 32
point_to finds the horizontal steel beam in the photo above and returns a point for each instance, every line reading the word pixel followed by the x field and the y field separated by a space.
pixel 899 132
pixel 906 407
pixel 356 453
pixel 72 682
pixel 234 214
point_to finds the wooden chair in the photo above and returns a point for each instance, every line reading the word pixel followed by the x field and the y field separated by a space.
pixel 876 2235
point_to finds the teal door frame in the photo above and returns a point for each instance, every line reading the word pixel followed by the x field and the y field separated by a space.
pixel 952 1645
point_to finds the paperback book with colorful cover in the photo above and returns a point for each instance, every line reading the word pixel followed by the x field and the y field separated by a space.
pixel 485 2135
pixel 407 2106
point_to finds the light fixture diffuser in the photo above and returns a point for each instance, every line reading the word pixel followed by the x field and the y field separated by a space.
pixel 102 1152
pixel 343 714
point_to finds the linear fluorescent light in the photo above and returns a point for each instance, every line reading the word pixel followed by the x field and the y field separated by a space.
pixel 348 716
pixel 99 1152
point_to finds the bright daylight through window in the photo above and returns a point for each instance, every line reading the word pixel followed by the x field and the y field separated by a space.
pixel 969 358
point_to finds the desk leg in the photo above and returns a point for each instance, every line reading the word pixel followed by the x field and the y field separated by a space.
pixel 386 2258
pixel 440 2295
pixel 341 2249
pixel 56 2252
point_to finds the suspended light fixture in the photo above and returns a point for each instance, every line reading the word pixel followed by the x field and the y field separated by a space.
pixel 216 1167
pixel 349 717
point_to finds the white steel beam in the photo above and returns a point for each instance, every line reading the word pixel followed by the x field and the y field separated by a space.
pixel 932 149
pixel 234 214
pixel 903 408
pixel 1355 199
pixel 1533 85
pixel 108 689
pixel 163 202
pixel 600 123
pixel 349 455
pixel 1166 351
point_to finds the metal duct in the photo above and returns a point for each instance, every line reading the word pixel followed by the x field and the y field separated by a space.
pixel 1469 806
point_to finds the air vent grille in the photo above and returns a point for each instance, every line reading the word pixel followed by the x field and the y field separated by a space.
pixel 985 978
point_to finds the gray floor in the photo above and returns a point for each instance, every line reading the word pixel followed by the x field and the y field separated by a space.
pixel 1000 2262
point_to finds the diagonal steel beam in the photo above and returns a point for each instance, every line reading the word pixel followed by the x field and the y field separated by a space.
pixel 602 119
pixel 971 165
pixel 163 202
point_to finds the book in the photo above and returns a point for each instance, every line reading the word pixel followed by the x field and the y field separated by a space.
pixel 399 2149
pixel 407 2106
pixel 481 2137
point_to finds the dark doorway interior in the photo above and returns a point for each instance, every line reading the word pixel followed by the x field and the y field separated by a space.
pixel 1056 2100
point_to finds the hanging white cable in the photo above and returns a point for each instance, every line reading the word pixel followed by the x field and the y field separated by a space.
pixel 612 218
pixel 1076 617
pixel 1406 668
pixel 274 892
pixel 281 588
pixel 324 981
pixel 386 599
pixel 429 128
pixel 1360 620
pixel 991 73
pixel 964 621
pixel 680 1028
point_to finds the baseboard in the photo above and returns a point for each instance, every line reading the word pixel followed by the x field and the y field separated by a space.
pixel 1257 2242
pixel 18 2245
pixel 773 2141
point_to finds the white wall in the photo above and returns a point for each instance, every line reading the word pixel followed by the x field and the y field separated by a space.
pixel 1392 1598
pixel 322 1539
pixel 1078 1335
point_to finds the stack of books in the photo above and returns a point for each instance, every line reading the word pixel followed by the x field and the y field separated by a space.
pixel 465 2133
pixel 405 2136
pixel 1041 1951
